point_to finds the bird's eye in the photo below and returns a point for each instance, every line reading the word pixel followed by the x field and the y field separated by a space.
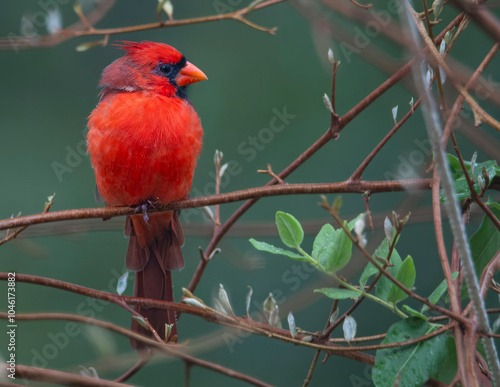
pixel 165 69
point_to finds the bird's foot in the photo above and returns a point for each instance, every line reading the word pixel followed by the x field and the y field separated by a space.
pixel 144 209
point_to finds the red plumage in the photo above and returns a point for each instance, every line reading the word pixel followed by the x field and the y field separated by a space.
pixel 144 139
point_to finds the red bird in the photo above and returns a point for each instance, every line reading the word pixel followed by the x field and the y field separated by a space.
pixel 144 139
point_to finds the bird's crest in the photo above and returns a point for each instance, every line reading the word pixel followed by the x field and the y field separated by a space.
pixel 146 52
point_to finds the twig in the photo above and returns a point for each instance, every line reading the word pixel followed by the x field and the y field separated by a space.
pixel 251 193
pixel 85 28
pixel 239 15
pixel 483 17
pixel 311 368
pixel 487 275
pixel 145 320
pixel 331 133
pixel 135 368
pixel 201 229
pixel 358 302
pixel 314 361
pixel 381 269
pixel 473 194
pixel 356 175
pixel 207 314
pixel 457 106
pixel 24 42
pixel 61 378
pixel 479 114
pixel 78 10
pixel 217 161
pixel 269 171
pixel 168 349
pixel 9 237
pixel 434 129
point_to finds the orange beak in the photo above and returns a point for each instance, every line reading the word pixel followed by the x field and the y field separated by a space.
pixel 190 74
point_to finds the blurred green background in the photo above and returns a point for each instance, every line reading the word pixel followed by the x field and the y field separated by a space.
pixel 46 96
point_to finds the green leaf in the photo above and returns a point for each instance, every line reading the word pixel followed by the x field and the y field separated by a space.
pixel 369 270
pixel 338 294
pixel 493 204
pixel 332 248
pixel 141 322
pixel 438 292
pixel 383 284
pixel 460 182
pixel 411 365
pixel 413 312
pixel 406 275
pixel 484 244
pixel 290 230
pixel 448 369
pixel 263 246
pixel 454 163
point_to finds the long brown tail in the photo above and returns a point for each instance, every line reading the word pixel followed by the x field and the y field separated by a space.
pixel 154 250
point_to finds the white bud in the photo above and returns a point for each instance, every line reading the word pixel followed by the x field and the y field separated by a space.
pixel 53 21
pixel 223 169
pixel 291 325
pixel 388 229
pixel 349 328
pixel 437 7
pixel 442 47
pixel 328 103
pixel 248 300
pixel 331 58
pixel 194 302
pixel 224 299
pixel 395 114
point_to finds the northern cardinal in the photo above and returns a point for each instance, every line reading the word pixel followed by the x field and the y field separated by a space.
pixel 144 139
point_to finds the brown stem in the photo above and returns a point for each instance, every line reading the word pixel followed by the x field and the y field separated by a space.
pixel 470 184
pixel 135 368
pixel 359 171
pixel 409 292
pixel 331 133
pixel 358 302
pixel 60 378
pixel 251 193
pixel 311 368
pixel 207 314
pixel 482 16
pixel 239 15
pixel 81 28
pixel 167 349
pixel 457 106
